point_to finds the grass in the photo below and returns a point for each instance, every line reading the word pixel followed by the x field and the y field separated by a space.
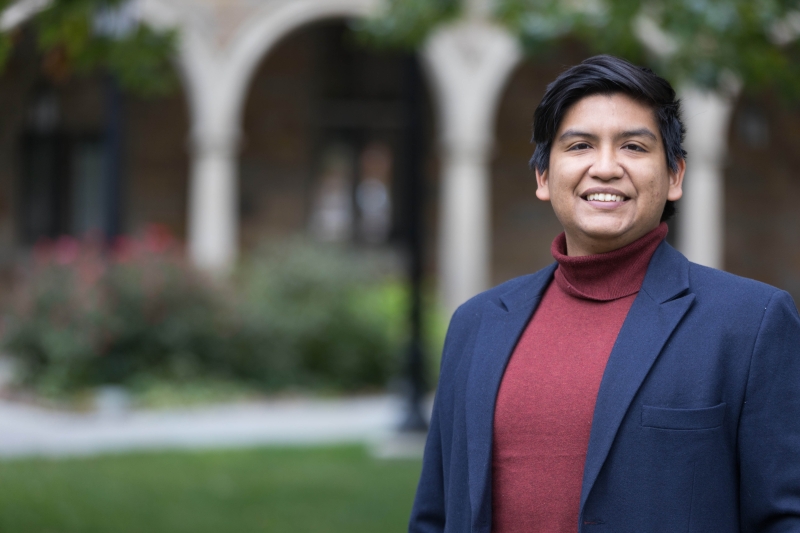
pixel 298 490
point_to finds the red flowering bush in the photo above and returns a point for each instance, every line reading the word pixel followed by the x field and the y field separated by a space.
pixel 84 314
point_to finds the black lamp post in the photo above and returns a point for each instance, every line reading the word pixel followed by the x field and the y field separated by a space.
pixel 112 160
pixel 414 421
pixel 114 22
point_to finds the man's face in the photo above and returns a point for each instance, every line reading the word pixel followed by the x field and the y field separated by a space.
pixel 608 178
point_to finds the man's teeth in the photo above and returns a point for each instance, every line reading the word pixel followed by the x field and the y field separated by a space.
pixel 602 197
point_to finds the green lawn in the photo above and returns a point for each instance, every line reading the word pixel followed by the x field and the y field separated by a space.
pixel 324 490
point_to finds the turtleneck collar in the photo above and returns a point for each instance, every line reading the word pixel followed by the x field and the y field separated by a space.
pixel 608 276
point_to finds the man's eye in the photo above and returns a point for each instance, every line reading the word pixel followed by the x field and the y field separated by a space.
pixel 634 147
pixel 579 146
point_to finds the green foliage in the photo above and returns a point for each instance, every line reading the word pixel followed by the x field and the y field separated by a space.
pixel 539 23
pixel 335 322
pixel 269 490
pixel 79 36
pixel 406 23
pixel 708 42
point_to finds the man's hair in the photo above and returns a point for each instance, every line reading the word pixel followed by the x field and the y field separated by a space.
pixel 606 74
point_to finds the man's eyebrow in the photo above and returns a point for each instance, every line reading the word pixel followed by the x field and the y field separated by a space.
pixel 576 133
pixel 639 132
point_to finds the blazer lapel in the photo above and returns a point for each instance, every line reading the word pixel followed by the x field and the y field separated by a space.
pixel 502 323
pixel 659 307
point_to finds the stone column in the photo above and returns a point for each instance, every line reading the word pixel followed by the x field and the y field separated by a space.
pixel 468 64
pixel 701 231
pixel 213 187
pixel 213 202
pixel 465 223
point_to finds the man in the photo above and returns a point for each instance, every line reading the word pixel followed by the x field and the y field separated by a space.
pixel 622 389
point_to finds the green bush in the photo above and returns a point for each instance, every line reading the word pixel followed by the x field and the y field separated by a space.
pixel 297 315
pixel 328 316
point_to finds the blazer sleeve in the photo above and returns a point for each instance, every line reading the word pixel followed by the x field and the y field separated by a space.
pixel 428 512
pixel 769 427
pixel 428 515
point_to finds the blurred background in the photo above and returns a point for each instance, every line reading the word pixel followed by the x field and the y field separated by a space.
pixel 232 231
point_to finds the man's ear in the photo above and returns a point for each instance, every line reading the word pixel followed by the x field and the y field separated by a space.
pixel 675 191
pixel 543 186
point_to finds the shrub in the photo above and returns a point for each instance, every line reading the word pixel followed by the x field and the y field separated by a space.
pixel 299 315
pixel 327 313
pixel 84 316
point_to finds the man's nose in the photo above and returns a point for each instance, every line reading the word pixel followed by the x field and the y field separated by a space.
pixel 606 166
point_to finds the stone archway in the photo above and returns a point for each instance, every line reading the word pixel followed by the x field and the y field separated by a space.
pixel 218 72
pixel 467 65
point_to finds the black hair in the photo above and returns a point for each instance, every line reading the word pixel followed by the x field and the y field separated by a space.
pixel 606 74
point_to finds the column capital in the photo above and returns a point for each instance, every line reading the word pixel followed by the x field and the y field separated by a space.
pixel 468 64
pixel 469 48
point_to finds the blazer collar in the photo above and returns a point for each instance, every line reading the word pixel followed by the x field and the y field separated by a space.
pixel 526 295
pixel 668 274
pixel 659 307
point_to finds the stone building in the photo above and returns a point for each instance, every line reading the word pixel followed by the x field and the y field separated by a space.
pixel 284 124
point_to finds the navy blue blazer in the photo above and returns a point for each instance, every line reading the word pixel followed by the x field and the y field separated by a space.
pixel 697 421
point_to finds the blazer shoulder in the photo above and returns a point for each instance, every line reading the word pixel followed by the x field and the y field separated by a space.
pixel 671 275
pixel 511 292
pixel 710 282
pixel 735 297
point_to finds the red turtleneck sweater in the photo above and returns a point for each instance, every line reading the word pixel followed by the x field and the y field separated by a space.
pixel 544 409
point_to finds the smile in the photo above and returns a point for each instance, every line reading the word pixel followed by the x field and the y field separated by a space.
pixel 604 197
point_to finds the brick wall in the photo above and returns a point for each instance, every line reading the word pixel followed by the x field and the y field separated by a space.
pixel 762 185
pixel 156 163
pixel 276 161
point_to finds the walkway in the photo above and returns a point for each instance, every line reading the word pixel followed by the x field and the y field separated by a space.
pixel 32 431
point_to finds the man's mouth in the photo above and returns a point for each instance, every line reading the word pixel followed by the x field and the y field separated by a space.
pixel 605 197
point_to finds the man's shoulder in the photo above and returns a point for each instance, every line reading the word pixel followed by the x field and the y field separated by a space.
pixel 513 292
pixel 724 286
pixel 671 274
pixel 722 297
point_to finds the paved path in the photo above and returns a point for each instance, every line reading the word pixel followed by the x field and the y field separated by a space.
pixel 27 431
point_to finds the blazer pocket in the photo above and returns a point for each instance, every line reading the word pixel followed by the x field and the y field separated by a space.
pixel 686 419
